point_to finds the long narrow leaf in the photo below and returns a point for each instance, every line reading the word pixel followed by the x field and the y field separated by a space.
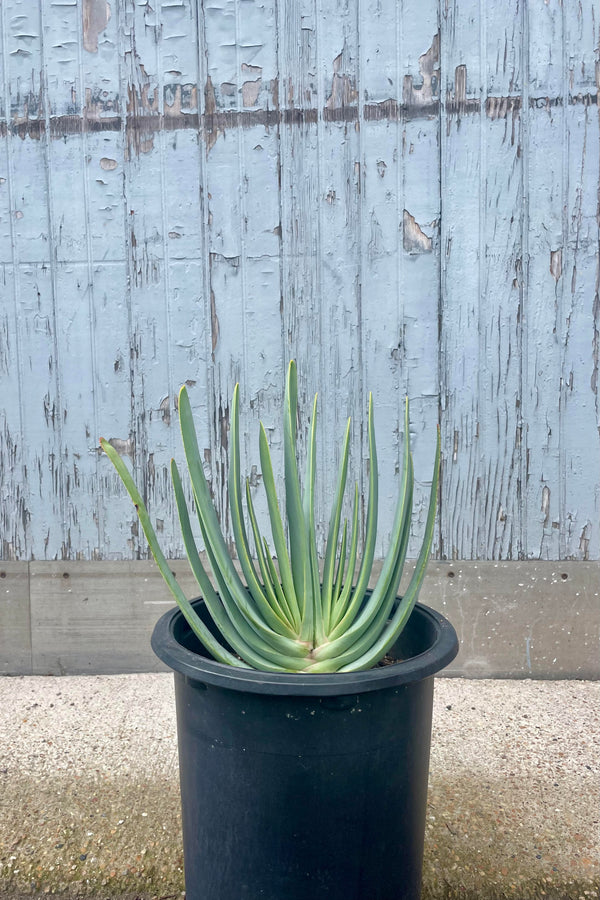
pixel 283 559
pixel 334 529
pixel 312 623
pixel 341 566
pixel 346 632
pixel 372 510
pixel 235 596
pixel 293 498
pixel 194 621
pixel 274 621
pixel 389 637
pixel 275 594
pixel 341 604
pixel 366 566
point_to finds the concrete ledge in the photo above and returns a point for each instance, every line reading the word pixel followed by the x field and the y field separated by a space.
pixel 514 619
pixel 90 801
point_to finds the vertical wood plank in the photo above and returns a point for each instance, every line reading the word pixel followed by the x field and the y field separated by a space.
pixel 147 251
pixel 381 259
pixel 481 283
pixel 544 293
pixel 37 467
pixel 500 312
pixel 13 485
pixel 14 509
pixel 336 373
pixel 460 290
pixel 420 267
pixel 580 270
pixel 299 192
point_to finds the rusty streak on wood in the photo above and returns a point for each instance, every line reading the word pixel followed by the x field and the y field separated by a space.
pixel 211 124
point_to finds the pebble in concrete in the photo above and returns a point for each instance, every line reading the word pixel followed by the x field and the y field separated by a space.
pixel 89 802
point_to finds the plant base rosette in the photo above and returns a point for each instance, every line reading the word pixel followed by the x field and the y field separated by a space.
pixel 289 618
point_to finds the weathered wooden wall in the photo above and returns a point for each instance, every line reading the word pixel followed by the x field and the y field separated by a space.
pixel 401 195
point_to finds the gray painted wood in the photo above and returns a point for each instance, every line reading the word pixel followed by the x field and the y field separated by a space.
pixel 514 619
pixel 402 196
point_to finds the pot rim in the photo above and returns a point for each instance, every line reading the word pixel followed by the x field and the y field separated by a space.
pixel 440 652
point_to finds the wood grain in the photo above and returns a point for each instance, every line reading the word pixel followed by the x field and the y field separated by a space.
pixel 402 196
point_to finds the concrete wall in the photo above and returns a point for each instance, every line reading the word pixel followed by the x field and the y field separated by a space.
pixel 517 620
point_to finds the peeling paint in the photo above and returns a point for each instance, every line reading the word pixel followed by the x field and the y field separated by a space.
pixel 183 254
pixel 425 94
pixel 214 323
pixel 212 128
pixel 413 238
pixel 250 92
pixel 546 503
pixel 343 90
pixel 96 16
pixel 180 102
pixel 165 409
pixel 556 263
pixel 251 87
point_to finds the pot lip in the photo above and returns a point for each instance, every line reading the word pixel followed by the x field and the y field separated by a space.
pixel 442 651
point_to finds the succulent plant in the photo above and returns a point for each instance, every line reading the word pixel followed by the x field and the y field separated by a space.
pixel 292 617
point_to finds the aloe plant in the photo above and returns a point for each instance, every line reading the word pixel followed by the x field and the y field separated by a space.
pixel 292 618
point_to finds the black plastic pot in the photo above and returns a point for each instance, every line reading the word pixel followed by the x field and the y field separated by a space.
pixel 304 786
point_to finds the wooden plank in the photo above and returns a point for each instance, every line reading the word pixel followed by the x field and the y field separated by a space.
pixel 13 481
pixel 543 150
pixel 75 350
pixel 481 284
pixel 579 261
pixel 299 195
pixel 336 372
pixel 15 623
pixel 147 251
pixel 243 232
pixel 90 166
pixel 34 401
pixel 381 260
pixel 41 413
pixel 111 506
pixel 221 78
pixel 500 310
pixel 420 266
pixel 459 338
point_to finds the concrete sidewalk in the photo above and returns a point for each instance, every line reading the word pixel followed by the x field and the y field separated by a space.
pixel 89 803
